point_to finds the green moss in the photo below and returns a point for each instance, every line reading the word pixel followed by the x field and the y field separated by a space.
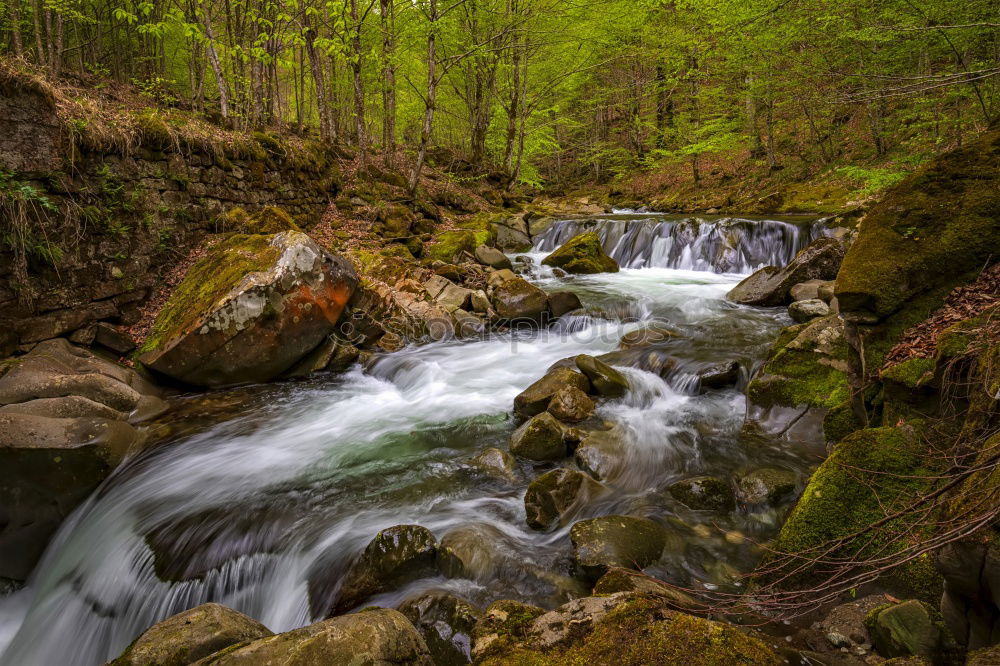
pixel 911 374
pixel 798 374
pixel 870 473
pixel 927 233
pixel 208 280
pixel 839 422
pixel 449 245
pixel 398 251
pixel 582 254
pixel 643 632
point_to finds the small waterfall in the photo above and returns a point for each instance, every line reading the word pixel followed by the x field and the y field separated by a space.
pixel 727 245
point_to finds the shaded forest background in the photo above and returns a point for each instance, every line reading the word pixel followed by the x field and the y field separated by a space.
pixel 553 92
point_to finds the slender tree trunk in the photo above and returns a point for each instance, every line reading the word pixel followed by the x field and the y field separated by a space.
pixel 37 16
pixel 522 122
pixel 429 102
pixel 326 130
pixel 15 27
pixel 662 100
pixel 359 86
pixel 220 78
pixel 515 104
pixel 388 14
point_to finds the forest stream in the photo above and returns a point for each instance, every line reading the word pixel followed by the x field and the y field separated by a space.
pixel 260 496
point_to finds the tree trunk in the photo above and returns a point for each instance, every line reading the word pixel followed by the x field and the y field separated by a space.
pixel 429 102
pixel 326 130
pixel 359 86
pixel 662 100
pixel 388 14
pixel 37 16
pixel 15 31
pixel 220 79
pixel 515 104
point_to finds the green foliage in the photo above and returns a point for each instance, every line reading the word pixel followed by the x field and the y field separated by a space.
pixel 872 181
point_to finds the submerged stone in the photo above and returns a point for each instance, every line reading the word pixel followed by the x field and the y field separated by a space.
pixel 704 493
pixel 767 485
pixel 556 496
pixel 616 541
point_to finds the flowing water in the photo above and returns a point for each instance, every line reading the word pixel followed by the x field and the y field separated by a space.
pixel 261 496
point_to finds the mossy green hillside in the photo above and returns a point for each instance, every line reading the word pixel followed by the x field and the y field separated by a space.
pixel 207 281
pixel 928 232
pixel 870 474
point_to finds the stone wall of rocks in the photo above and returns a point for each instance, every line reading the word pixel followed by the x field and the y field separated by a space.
pixel 107 225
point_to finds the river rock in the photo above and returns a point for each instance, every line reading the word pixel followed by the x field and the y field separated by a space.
pixel 605 380
pixel 571 405
pixel 803 311
pixel 535 399
pixel 517 299
pixel 378 636
pixel 480 302
pixel 647 334
pixel 496 463
pixel 191 635
pixel 582 254
pixel 556 496
pixel 502 621
pixel 704 493
pixel 810 289
pixel 492 257
pixel 512 234
pixel 771 286
pixel 910 628
pixel 395 556
pixel 602 454
pixel 477 551
pixel 247 311
pixel 719 375
pixel 540 438
pixel 446 623
pixel 563 302
pixel 616 541
pixel 496 278
pixel 64 426
pixel 768 485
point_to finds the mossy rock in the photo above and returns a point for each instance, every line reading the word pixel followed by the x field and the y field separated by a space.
pixel 616 541
pixel 639 631
pixel 911 628
pixel 268 220
pixel 554 497
pixel 928 233
pixel 449 246
pixel 704 493
pixel 540 438
pixel 870 473
pixel 582 254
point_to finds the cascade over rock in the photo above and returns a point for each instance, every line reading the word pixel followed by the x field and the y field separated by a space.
pixel 249 310
pixel 772 285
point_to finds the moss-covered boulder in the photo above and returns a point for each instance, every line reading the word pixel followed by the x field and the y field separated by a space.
pixel 704 493
pixel 249 310
pixel 556 496
pixel 496 463
pixel 536 398
pixel 582 255
pixel 518 301
pixel 451 246
pixel 571 405
pixel 446 623
pixel 626 629
pixel 772 286
pixel 766 485
pixel 395 556
pixel 540 438
pixel 191 635
pixel 616 541
pixel 605 380
pixel 850 499
pixel 929 232
pixel 910 628
pixel 267 220
pixel 376 636
pixel 602 453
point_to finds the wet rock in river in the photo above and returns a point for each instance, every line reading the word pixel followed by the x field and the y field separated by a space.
pixel 191 635
pixel 772 286
pixel 395 556
pixel 535 399
pixel 571 405
pixel 768 485
pixel 704 493
pixel 64 427
pixel 249 310
pixel 503 623
pixel 563 302
pixel 496 278
pixel 556 496
pixel 719 375
pixel 810 289
pixel 377 636
pixel 496 463
pixel 478 551
pixel 541 438
pixel 446 623
pixel 492 257
pixel 605 380
pixel 803 311
pixel 519 300
pixel 624 580
pixel 616 541
pixel 601 453
pixel 582 254
pixel 646 335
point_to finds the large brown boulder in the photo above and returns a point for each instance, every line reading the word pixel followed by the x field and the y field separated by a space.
pixel 517 299
pixel 379 637
pixel 536 398
pixel 772 286
pixel 616 541
pixel 556 496
pixel 191 635
pixel 249 310
pixel 65 423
